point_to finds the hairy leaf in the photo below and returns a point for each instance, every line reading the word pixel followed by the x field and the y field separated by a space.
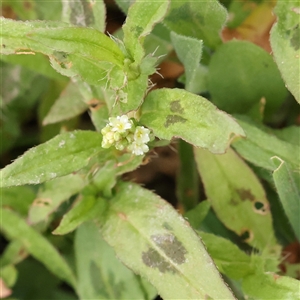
pixel 259 147
pixel 62 155
pixel 178 113
pixel 85 208
pixel 229 259
pixel 285 42
pixel 189 51
pixel 141 18
pixel 50 37
pixel 199 19
pixel 150 237
pixel 287 182
pixel 73 51
pixel 271 286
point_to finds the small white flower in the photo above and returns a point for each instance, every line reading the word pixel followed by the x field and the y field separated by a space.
pixel 141 135
pixel 121 133
pixel 138 148
pixel 120 124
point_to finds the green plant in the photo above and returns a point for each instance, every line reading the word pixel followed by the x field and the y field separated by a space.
pixel 66 203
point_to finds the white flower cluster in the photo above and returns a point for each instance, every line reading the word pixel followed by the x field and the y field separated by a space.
pixel 121 133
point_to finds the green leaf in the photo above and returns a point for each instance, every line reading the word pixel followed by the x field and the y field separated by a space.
pixel 51 10
pixel 88 69
pixel 202 20
pixel 17 229
pixel 38 63
pixel 31 285
pixel 240 74
pixel 34 9
pixel 86 42
pixel 283 229
pixel 52 194
pixel 212 224
pixel 196 215
pixel 100 274
pixel 287 182
pixel 17 92
pixel 175 112
pixel 88 13
pixel 15 38
pixel 239 201
pixel 150 237
pixel 229 259
pixel 69 104
pixel 73 51
pixel 17 198
pixel 9 275
pixel 285 43
pixel 50 37
pixel 128 163
pixel 259 147
pixel 62 155
pixel 189 51
pixel 199 83
pixel 13 254
pixel 9 128
pixel 85 208
pixel 141 18
pixel 289 134
pixel 187 181
pixel 99 116
pixel 106 177
pixel 157 42
pixel 133 94
pixel 271 286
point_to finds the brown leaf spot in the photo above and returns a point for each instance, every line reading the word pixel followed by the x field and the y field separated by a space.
pixel 295 39
pixel 245 194
pixel 172 248
pixel 153 259
pixel 176 107
pixel 27 5
pixel 172 119
pixel 41 202
pixel 94 104
pixel 122 216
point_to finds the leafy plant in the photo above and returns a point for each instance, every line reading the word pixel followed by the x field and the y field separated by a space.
pixel 68 211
